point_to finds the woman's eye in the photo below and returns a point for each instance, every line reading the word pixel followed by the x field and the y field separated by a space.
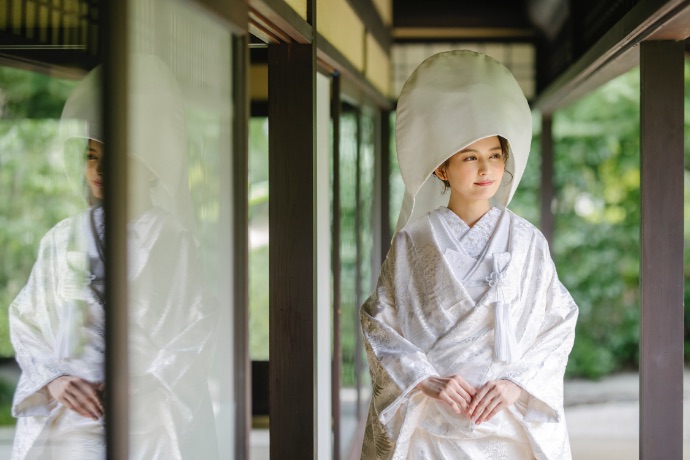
pixel 496 155
pixel 91 156
pixel 470 158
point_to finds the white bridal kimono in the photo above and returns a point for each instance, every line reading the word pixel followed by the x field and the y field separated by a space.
pixel 446 298
pixel 57 328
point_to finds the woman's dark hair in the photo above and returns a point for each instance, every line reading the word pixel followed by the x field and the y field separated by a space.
pixel 505 149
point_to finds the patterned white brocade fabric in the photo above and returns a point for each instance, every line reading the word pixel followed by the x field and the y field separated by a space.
pixel 171 339
pixel 474 239
pixel 425 320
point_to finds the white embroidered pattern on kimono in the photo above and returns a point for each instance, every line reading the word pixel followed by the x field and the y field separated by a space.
pixel 428 318
pixel 171 338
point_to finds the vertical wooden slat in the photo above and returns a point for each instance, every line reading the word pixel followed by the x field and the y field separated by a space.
pixel 547 189
pixel 335 263
pixel 240 181
pixel 385 143
pixel 291 89
pixel 115 114
pixel 358 260
pixel 661 234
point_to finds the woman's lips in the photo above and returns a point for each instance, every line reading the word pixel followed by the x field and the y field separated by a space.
pixel 484 183
pixel 97 183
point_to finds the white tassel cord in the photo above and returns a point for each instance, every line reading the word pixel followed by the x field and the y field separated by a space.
pixel 505 345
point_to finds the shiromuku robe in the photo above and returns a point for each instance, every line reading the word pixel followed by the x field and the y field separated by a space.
pixel 433 314
pixel 57 328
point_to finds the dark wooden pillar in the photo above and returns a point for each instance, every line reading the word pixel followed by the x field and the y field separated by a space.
pixel 240 224
pixel 661 235
pixel 114 19
pixel 385 142
pixel 335 264
pixel 547 189
pixel 291 108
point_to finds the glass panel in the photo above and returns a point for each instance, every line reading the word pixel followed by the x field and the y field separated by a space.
pixel 45 198
pixel 258 239
pixel 349 316
pixel 180 353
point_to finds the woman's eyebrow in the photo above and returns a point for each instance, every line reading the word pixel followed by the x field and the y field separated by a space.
pixel 498 147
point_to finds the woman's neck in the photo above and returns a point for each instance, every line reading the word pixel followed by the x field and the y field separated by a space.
pixel 470 212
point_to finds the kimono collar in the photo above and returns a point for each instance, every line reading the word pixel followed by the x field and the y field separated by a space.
pixel 450 101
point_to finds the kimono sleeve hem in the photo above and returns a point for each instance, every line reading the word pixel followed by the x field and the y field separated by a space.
pixel 38 402
pixel 389 412
pixel 537 410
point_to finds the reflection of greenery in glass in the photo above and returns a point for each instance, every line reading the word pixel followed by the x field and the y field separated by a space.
pixel 349 319
pixel 366 230
pixel 36 194
pixel 258 229
pixel 397 187
pixel 206 171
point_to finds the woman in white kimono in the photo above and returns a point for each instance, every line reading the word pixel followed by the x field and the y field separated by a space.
pixel 469 329
pixel 57 321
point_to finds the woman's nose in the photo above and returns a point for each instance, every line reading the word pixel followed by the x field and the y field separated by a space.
pixel 99 166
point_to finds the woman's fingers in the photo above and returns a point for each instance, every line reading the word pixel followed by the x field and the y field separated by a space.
pixel 493 409
pixel 78 395
pixel 454 391
pixel 495 396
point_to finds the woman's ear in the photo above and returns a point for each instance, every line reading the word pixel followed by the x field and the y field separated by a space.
pixel 441 173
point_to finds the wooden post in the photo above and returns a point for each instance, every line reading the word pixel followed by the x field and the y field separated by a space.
pixel 547 189
pixel 291 108
pixel 385 142
pixel 335 263
pixel 240 191
pixel 661 236
pixel 114 19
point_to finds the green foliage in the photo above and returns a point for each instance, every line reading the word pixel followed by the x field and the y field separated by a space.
pixel 596 243
pixel 36 191
pixel 6 394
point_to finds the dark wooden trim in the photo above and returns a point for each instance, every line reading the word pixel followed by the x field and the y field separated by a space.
pixel 359 234
pixel 386 231
pixel 547 189
pixel 335 60
pixel 235 12
pixel 259 108
pixel 661 237
pixel 335 261
pixel 372 21
pixel 240 225
pixel 115 115
pixel 280 20
pixel 292 74
pixel 613 54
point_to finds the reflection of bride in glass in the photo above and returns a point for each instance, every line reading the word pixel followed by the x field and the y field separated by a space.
pixel 57 321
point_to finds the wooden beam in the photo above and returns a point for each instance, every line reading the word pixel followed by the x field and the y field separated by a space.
pixel 615 52
pixel 547 189
pixel 240 225
pixel 291 93
pixel 661 237
pixel 277 19
pixel 114 20
pixel 235 12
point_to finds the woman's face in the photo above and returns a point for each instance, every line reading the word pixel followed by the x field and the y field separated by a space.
pixel 94 168
pixel 476 171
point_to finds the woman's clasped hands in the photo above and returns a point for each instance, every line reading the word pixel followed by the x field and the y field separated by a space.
pixel 479 406
pixel 79 395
